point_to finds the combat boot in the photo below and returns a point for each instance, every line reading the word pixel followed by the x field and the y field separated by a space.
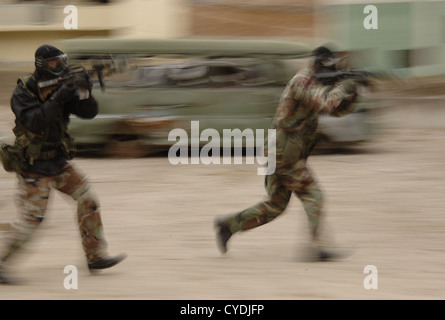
pixel 315 254
pixel 6 279
pixel 223 235
pixel 106 262
pixel 332 254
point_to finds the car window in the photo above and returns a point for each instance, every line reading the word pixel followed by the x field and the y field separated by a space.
pixel 198 73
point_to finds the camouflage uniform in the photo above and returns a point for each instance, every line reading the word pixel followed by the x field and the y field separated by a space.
pixel 44 148
pixel 295 122
pixel 32 200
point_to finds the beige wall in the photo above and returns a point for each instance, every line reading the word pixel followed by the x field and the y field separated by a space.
pixel 26 25
pixel 155 18
pixel 251 19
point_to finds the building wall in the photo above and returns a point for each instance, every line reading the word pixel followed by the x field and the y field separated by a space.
pixel 253 19
pixel 24 25
pixel 409 39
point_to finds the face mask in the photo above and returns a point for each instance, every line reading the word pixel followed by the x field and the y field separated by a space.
pixel 57 65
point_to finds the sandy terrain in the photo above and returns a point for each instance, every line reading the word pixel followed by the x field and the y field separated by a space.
pixel 384 201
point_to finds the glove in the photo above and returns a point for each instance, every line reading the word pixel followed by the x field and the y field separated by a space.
pixel 64 93
pixel 349 86
pixel 84 81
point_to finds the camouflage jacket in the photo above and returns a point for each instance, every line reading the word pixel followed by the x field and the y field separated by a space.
pixel 296 118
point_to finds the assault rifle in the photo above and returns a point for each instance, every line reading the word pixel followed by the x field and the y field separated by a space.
pixel 80 77
pixel 362 77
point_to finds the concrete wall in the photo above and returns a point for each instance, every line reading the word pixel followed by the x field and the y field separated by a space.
pixel 284 19
pixel 409 40
pixel 25 25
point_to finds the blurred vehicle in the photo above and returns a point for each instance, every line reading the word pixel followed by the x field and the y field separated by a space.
pixel 161 85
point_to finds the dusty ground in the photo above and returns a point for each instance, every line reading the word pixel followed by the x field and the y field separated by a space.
pixel 384 201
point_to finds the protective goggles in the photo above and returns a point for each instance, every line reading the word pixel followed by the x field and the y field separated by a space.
pixel 54 64
pixel 330 61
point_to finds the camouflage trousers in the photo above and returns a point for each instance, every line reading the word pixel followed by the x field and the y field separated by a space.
pixel 280 187
pixel 32 200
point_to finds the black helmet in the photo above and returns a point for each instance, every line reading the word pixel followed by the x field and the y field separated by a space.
pixel 325 58
pixel 50 62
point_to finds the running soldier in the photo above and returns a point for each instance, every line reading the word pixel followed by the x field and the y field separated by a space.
pixel 295 122
pixel 40 158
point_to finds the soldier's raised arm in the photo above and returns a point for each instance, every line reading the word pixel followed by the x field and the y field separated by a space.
pixel 336 101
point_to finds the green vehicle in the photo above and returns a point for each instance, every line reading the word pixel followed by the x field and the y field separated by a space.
pixel 161 85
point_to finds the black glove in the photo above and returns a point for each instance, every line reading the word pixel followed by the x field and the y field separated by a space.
pixel 65 93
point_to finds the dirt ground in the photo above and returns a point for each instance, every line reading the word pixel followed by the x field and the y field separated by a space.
pixel 384 201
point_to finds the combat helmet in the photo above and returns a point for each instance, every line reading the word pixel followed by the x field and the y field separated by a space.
pixel 50 62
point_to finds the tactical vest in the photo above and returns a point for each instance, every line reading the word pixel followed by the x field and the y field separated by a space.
pixel 29 146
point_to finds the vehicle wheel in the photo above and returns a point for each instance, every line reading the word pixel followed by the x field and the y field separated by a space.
pixel 126 146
